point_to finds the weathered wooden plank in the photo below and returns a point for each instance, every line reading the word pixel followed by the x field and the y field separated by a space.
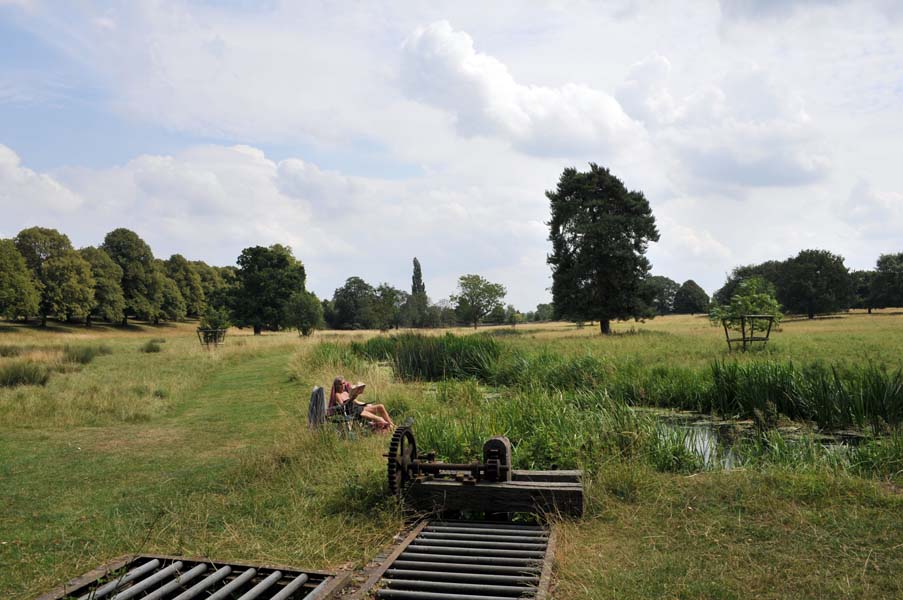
pixel 551 476
pixel 545 578
pixel 377 573
pixel 516 496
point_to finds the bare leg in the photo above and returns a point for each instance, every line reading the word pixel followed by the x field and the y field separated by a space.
pixel 379 421
pixel 380 410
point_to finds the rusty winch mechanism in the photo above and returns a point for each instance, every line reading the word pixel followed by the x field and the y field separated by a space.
pixel 489 487
pixel 406 466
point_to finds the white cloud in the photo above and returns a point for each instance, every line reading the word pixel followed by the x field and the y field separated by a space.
pixel 22 189
pixel 742 131
pixel 875 214
pixel 441 67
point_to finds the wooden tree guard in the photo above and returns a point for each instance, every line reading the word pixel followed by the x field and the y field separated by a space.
pixel 748 331
pixel 211 337
pixel 540 492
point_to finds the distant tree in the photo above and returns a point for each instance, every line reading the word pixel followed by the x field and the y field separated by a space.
pixel 443 314
pixel 215 318
pixel 662 291
pixel 599 233
pixel 863 282
pixel 38 245
pixel 188 279
pixel 142 284
pixel 305 312
pixel 18 292
pixel 815 281
pixel 691 299
pixel 753 296
pixel 513 316
pixel 173 307
pixel 68 285
pixel 329 314
pixel 109 302
pixel 496 316
pixel 267 278
pixel 476 298
pixel 417 303
pixel 771 271
pixel 354 305
pixel 389 307
pixel 888 282
pixel 544 312
pixel 217 283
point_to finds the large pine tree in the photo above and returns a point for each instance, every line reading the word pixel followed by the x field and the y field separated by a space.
pixel 599 232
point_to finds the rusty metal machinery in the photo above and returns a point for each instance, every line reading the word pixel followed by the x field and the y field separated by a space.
pixel 490 486
pixel 405 465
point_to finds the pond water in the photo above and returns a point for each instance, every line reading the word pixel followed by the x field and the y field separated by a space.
pixel 716 441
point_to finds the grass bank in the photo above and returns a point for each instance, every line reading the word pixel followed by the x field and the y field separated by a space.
pixel 222 465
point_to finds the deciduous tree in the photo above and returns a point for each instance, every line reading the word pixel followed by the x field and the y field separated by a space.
pixel 304 312
pixel 662 290
pixel 476 298
pixel 142 285
pixel 887 285
pixel 691 299
pixel 37 245
pixel 68 285
pixel 354 305
pixel 187 278
pixel 267 278
pixel 600 232
pixel 814 282
pixel 109 302
pixel 19 295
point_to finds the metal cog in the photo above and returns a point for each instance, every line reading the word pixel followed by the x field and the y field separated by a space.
pixel 402 452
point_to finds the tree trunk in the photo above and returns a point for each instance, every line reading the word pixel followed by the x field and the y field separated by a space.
pixel 43 320
pixel 257 330
pixel 870 310
pixel 475 324
pixel 88 320
pixel 605 326
pixel 125 321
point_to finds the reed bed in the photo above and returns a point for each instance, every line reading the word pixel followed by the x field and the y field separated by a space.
pixel 831 396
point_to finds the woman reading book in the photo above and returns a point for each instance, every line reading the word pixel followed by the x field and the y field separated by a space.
pixel 343 398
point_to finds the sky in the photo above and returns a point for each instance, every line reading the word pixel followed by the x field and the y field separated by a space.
pixel 365 134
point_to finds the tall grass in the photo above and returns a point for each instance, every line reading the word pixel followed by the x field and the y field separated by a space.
pixel 433 358
pixel 864 396
pixel 84 354
pixel 23 372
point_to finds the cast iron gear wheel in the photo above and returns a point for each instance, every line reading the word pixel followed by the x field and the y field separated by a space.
pixel 402 454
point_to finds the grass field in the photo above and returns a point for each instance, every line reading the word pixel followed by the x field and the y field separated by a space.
pixel 185 451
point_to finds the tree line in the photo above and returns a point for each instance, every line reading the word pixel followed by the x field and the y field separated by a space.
pixel 818 282
pixel 360 305
pixel 42 275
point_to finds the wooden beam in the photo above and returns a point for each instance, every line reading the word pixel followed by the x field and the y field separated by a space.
pixel 516 496
pixel 545 577
pixel 563 476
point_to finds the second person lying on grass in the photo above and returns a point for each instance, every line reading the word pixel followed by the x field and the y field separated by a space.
pixel 343 398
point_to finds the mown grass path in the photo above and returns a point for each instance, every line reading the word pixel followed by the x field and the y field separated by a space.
pixel 70 499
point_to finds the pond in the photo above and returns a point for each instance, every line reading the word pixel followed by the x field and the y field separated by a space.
pixel 716 441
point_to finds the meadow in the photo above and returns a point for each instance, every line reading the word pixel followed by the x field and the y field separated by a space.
pixel 187 451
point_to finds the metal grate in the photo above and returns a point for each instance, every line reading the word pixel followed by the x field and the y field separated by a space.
pixel 467 560
pixel 151 577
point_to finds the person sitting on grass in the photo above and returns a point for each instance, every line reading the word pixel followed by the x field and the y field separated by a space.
pixel 343 398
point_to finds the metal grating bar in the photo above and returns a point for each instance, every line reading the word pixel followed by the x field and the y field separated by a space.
pixel 175 578
pixel 467 560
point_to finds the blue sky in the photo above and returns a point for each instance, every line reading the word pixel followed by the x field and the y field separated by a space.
pixel 366 134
